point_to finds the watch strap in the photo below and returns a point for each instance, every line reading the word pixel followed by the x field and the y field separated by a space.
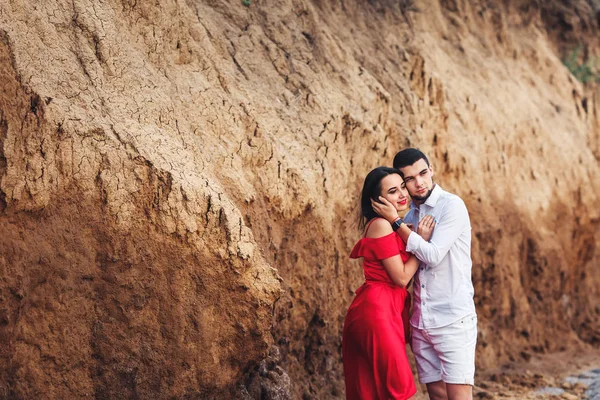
pixel 396 224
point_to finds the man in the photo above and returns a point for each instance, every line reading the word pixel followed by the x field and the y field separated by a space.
pixel 444 320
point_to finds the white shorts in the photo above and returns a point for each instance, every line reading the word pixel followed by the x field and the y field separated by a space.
pixel 447 353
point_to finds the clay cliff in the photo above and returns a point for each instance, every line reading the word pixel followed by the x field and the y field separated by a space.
pixel 179 183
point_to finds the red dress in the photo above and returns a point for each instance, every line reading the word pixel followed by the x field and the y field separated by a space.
pixel 373 344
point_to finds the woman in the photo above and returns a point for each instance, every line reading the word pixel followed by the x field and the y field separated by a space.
pixel 376 325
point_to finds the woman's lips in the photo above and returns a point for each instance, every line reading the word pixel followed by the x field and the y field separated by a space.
pixel 402 202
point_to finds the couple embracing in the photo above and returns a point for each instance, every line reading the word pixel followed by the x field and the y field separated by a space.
pixel 431 247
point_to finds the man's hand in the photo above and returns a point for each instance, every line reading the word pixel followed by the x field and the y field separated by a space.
pixel 385 210
pixel 425 228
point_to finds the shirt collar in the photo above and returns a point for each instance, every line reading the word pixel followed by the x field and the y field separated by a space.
pixel 432 199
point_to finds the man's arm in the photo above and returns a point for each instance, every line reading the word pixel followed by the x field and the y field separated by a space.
pixel 452 223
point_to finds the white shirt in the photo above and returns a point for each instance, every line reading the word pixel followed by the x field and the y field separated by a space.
pixel 443 288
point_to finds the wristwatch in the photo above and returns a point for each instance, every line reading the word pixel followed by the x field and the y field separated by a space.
pixel 396 224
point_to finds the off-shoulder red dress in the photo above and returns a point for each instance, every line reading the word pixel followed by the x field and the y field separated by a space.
pixel 376 325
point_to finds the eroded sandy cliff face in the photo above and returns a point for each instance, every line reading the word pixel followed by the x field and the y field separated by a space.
pixel 179 183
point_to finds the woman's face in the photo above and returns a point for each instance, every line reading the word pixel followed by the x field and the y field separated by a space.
pixel 394 190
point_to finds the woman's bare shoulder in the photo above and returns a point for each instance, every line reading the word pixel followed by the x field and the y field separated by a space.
pixel 379 228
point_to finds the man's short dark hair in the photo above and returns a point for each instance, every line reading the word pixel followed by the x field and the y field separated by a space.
pixel 409 156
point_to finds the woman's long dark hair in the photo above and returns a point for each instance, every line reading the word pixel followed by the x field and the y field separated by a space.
pixel 372 190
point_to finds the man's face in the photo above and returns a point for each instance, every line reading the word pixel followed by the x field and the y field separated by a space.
pixel 418 178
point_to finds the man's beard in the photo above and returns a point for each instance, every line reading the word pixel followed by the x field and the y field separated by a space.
pixel 422 199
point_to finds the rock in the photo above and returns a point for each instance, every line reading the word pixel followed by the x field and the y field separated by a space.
pixel 566 385
pixel 580 387
pixel 202 162
pixel 569 396
pixel 269 382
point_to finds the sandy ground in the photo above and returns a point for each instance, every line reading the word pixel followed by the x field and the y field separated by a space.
pixel 525 380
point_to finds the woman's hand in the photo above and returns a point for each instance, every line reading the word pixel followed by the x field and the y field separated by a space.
pixel 425 228
pixel 385 209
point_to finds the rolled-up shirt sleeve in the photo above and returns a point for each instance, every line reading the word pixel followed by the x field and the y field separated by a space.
pixel 451 224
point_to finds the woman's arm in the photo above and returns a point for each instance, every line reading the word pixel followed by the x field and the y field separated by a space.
pixel 399 272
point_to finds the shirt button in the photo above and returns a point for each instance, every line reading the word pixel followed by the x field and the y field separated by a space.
pixel 422 286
